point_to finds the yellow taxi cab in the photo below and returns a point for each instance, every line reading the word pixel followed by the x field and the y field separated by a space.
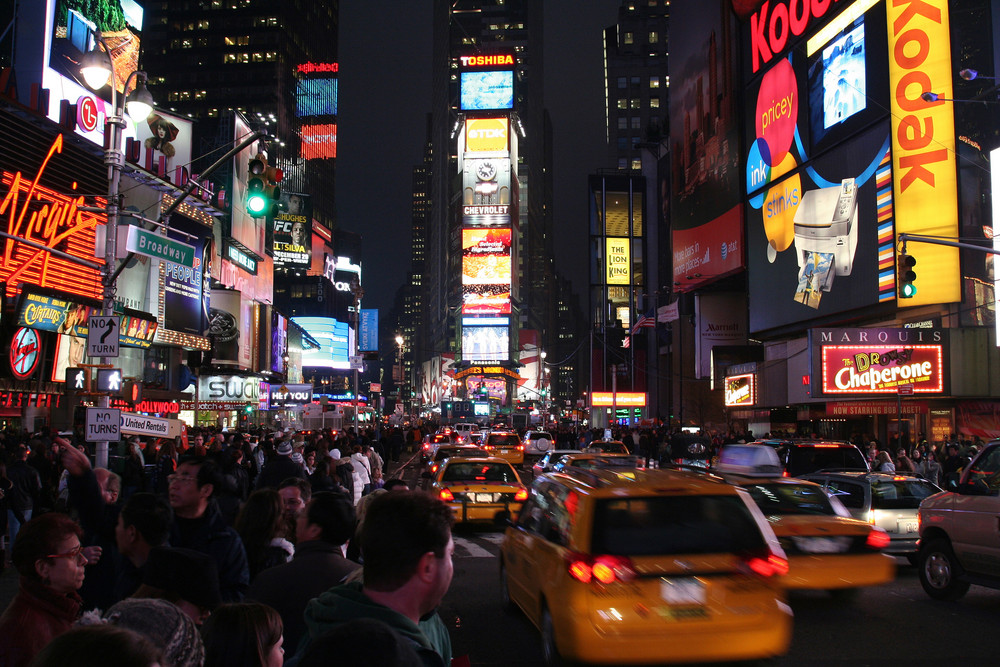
pixel 505 445
pixel 826 547
pixel 598 459
pixel 659 566
pixel 479 489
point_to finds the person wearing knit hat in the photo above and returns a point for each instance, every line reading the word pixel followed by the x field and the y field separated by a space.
pixel 165 625
pixel 280 467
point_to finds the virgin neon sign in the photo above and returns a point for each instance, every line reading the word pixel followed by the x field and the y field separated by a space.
pixel 51 219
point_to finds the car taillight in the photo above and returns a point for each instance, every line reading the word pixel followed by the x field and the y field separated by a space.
pixel 446 495
pixel 520 448
pixel 771 566
pixel 603 569
pixel 434 468
pixel 427 445
pixel 521 495
pixel 877 539
pixel 459 440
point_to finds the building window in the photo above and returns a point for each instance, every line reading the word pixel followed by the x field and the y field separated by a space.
pixel 621 82
pixel 654 82
pixel 202 25
pixel 637 164
pixel 622 143
pixel 623 103
pixel 654 102
pixel 629 38
pixel 622 122
pixel 635 81
pixel 636 103
pixel 623 163
pixel 635 142
pixel 636 122
pixel 654 37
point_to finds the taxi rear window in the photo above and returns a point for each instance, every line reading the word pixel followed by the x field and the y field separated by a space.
pixel 790 499
pixel 504 441
pixel 900 494
pixel 804 460
pixel 480 472
pixel 674 525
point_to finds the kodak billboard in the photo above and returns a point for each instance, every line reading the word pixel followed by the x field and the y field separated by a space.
pixel 923 143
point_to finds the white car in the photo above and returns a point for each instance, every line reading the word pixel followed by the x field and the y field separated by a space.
pixel 537 443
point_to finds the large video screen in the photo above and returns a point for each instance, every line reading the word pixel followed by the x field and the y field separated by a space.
pixel 838 80
pixel 486 256
pixel 485 91
pixel 315 97
pixel 336 341
pixel 485 343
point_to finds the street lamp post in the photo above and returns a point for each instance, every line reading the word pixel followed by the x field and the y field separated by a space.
pixel 399 372
pixel 98 68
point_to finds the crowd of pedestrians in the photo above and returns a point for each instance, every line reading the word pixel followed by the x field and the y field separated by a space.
pixel 229 549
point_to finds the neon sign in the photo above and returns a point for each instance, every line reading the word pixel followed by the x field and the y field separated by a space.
pixel 309 68
pixel 741 390
pixel 486 61
pixel 622 399
pixel 54 220
pixel 882 369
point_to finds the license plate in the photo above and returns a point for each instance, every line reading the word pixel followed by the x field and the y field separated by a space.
pixel 482 497
pixel 822 545
pixel 682 591
pixel 505 451
pixel 907 526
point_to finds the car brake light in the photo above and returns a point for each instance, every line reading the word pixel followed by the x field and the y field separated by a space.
pixel 427 445
pixel 434 468
pixel 877 539
pixel 521 495
pixel 446 495
pixel 520 448
pixel 603 569
pixel 768 567
pixel 458 439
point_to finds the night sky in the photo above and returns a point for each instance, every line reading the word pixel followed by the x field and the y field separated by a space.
pixel 385 94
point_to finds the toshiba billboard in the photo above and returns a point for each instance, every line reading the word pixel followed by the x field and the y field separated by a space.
pixel 486 135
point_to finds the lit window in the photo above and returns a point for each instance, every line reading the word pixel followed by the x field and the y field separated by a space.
pixel 202 25
pixel 257 57
pixel 629 38
pixel 230 41
pixel 654 102
pixel 636 103
pixel 654 82
pixel 623 104
pixel 654 37
pixel 637 164
pixel 200 94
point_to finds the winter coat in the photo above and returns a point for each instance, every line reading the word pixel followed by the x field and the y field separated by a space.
pixel 347 602
pixel 277 470
pixel 210 535
pixel 35 616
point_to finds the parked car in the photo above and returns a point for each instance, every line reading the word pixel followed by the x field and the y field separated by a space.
pixel 959 536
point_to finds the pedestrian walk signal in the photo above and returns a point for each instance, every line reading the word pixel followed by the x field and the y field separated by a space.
pixel 109 381
pixel 78 379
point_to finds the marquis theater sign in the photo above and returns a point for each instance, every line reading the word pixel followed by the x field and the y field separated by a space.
pixel 879 361
pixel 50 219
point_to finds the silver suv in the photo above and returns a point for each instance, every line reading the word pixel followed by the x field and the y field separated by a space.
pixel 959 539
pixel 884 499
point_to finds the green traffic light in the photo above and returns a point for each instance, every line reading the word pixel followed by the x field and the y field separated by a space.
pixel 256 203
pixel 908 290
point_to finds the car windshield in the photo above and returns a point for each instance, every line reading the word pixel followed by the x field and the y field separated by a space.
pixel 503 441
pixel 804 460
pixel 668 525
pixel 897 494
pixel 790 499
pixel 480 472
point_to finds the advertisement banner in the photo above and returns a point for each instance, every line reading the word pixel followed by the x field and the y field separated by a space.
pixel 486 270
pixel 741 390
pixel 618 262
pixel 228 388
pixel 623 399
pixel 185 308
pixel 486 135
pixel 336 341
pixel 368 340
pixel 485 343
pixel 49 313
pixel 279 341
pixel 486 188
pixel 285 395
pixel 721 320
pixel 224 327
pixel 292 232
pixel 319 141
pixel 705 216
pixel 923 133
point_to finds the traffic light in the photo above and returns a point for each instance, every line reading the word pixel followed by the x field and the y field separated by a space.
pixel 132 391
pixel 905 275
pixel 78 379
pixel 109 381
pixel 257 202
pixel 273 176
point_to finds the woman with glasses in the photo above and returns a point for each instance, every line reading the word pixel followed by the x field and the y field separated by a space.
pixel 49 557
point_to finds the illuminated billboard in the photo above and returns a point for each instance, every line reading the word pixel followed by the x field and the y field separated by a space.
pixel 487 135
pixel 486 343
pixel 292 232
pixel 924 167
pixel 741 390
pixel 336 341
pixel 618 262
pixel 486 191
pixel 623 399
pixel 486 270
pixel 319 141
pixel 486 91
pixel 315 97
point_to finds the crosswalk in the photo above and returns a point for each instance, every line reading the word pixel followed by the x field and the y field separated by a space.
pixel 478 545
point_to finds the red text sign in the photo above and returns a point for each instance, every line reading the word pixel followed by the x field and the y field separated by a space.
pixel 880 369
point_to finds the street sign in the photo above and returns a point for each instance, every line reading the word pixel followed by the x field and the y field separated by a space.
pixel 133 424
pixel 153 245
pixel 103 425
pixel 102 335
pixel 357 362
pixel 904 389
pixel 375 387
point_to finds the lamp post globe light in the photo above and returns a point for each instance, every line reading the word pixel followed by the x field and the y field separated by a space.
pixel 98 69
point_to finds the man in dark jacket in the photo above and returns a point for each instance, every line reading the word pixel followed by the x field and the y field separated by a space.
pixel 280 468
pixel 198 525
pixel 408 548
pixel 319 564
pixel 25 487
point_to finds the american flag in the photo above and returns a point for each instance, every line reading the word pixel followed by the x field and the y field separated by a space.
pixel 626 341
pixel 646 321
